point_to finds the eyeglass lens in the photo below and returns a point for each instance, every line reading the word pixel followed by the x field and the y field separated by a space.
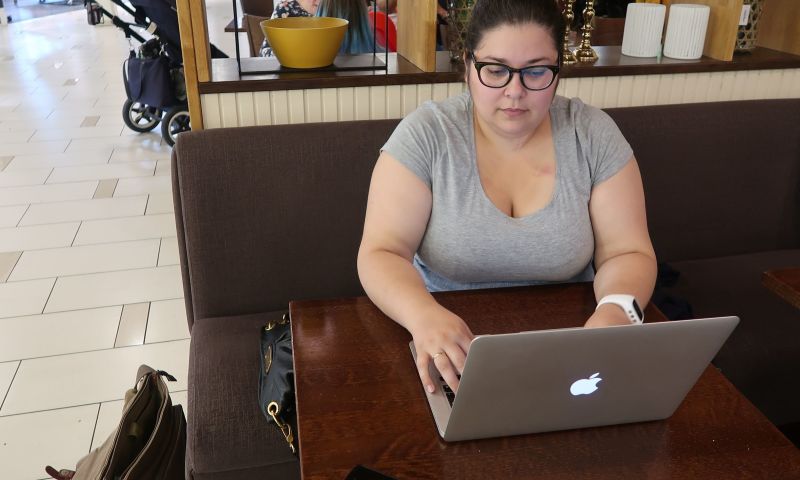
pixel 533 78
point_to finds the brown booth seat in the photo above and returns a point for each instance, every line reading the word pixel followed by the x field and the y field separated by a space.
pixel 269 214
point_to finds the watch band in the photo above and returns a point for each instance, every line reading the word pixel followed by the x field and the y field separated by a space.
pixel 627 303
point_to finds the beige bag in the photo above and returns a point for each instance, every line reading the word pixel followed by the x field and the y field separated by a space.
pixel 149 443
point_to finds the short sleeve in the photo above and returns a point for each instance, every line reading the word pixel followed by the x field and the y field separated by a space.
pixel 415 143
pixel 604 147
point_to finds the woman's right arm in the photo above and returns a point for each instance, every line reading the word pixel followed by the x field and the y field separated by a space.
pixel 398 210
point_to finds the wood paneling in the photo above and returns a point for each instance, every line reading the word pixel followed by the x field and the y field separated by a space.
pixel 373 103
pixel 416 32
pixel 190 65
pixel 779 27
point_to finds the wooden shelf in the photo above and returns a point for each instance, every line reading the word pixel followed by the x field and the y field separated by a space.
pixel 225 77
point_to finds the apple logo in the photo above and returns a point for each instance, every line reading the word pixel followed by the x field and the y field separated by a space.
pixel 585 386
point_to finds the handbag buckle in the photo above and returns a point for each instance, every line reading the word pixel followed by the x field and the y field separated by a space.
pixel 274 409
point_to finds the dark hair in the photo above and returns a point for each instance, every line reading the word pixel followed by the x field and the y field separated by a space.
pixel 358 38
pixel 489 14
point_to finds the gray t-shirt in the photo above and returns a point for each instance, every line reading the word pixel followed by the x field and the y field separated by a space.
pixel 468 242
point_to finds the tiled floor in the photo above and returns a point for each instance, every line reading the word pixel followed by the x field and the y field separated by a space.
pixel 89 282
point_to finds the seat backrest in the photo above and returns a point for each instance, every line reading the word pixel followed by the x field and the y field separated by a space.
pixel 255 36
pixel 379 20
pixel 266 215
pixel 259 8
pixel 720 178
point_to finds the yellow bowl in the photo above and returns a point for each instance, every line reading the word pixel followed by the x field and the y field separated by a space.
pixel 305 42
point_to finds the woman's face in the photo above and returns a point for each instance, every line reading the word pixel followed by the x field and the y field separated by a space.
pixel 513 110
pixel 309 6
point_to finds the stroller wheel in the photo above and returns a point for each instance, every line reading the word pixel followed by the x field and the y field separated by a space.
pixel 176 121
pixel 139 117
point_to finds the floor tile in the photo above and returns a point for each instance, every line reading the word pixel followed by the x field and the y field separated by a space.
pixel 28 442
pixel 168 254
pixel 58 262
pixel 91 377
pixel 164 167
pixel 84 210
pixel 58 333
pixel 89 157
pixel 18 178
pixel 115 288
pixel 143 186
pixel 47 193
pixel 105 188
pixel 17 136
pixel 7 371
pixel 100 172
pixel 151 141
pixel 10 216
pixel 160 203
pixel 111 414
pixel 129 228
pixel 138 154
pixel 167 321
pixel 37 237
pixel 8 260
pixel 132 325
pixel 25 298
pixel 90 121
pixel 30 148
pixel 45 134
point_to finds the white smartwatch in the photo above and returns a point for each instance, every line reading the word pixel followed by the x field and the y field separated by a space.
pixel 628 304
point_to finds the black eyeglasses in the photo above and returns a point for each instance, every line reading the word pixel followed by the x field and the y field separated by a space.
pixel 497 75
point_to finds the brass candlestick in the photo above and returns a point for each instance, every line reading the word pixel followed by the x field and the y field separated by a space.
pixel 585 53
pixel 567 57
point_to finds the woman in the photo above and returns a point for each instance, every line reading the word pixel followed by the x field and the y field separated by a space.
pixel 504 185
pixel 359 38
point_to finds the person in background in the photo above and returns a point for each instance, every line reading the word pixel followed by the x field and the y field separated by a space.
pixel 505 185
pixel 289 8
pixel 359 38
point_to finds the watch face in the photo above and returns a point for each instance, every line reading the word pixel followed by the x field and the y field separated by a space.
pixel 638 310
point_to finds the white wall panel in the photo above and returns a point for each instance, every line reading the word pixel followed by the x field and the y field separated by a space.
pixel 330 105
pixel 377 103
pixel 245 109
pixel 313 104
pixel 227 108
pixel 396 101
pixel 347 104
pixel 280 107
pixel 409 98
pixel 297 111
pixel 263 110
pixel 361 98
pixel 210 105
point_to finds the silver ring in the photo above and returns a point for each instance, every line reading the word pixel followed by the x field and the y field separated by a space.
pixel 437 354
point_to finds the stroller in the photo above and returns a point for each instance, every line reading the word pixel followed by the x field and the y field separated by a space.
pixel 153 72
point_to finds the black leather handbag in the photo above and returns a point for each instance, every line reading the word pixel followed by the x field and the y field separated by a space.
pixel 276 377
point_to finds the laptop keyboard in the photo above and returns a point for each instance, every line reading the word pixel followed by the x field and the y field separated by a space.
pixel 450 394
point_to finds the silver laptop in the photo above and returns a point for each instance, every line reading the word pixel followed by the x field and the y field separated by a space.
pixel 549 380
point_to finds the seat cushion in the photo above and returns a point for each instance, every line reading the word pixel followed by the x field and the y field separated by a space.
pixel 762 355
pixel 227 435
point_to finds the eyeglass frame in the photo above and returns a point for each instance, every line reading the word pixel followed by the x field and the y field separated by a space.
pixel 511 71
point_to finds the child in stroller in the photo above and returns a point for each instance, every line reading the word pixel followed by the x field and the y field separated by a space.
pixel 153 73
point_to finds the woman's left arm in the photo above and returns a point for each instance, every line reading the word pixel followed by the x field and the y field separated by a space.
pixel 624 259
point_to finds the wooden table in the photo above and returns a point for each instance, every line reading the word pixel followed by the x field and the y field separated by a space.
pixel 785 282
pixel 360 401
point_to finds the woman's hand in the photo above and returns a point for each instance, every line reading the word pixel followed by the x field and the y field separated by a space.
pixel 607 315
pixel 443 338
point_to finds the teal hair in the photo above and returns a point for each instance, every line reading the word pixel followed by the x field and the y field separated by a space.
pixel 359 38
